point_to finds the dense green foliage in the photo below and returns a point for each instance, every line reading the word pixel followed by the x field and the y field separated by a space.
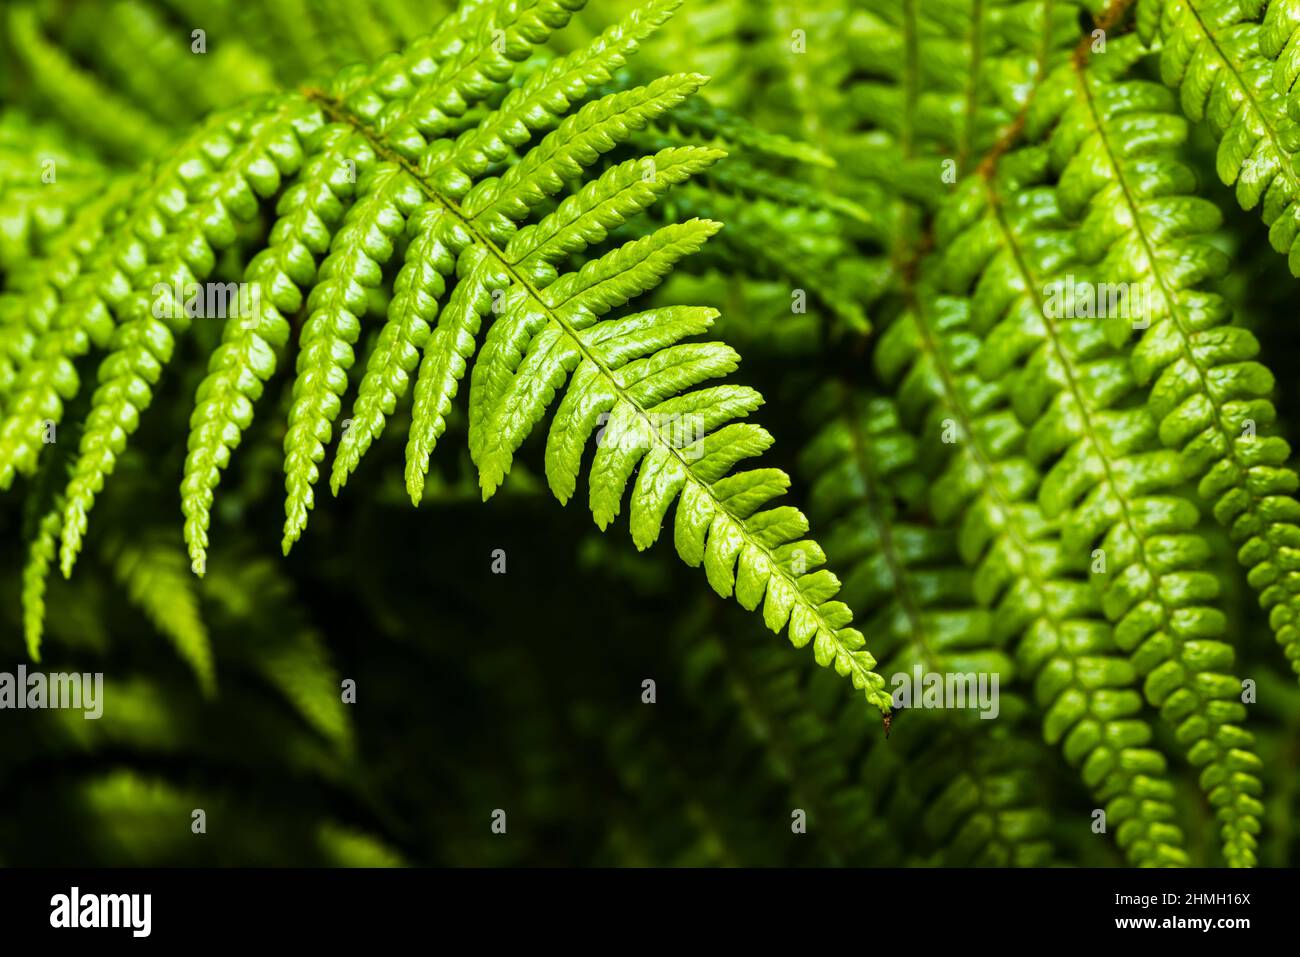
pixel 1019 351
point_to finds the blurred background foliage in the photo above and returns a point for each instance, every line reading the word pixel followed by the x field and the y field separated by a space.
pixel 522 691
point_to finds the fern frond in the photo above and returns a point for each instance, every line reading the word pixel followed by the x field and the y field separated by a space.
pixel 490 213
pixel 83 102
pixel 1212 53
pixel 698 120
pixel 146 58
pixel 987 485
pixel 798 245
pixel 40 555
pixel 582 219
pixel 987 807
pixel 38 335
pixel 535 343
pixel 263 150
pixel 462 73
pixel 1280 42
pixel 1115 489
pixel 154 574
pixel 504 200
pixel 868 486
pixel 1211 399
pixel 866 479
pixel 339 298
pixel 947 82
pixel 877 203
pixel 105 267
pixel 542 100
pixel 634 377
pixel 308 212
pixel 416 291
pixel 458 79
pixel 790 223
pixel 45 177
pixel 286 651
pixel 545 317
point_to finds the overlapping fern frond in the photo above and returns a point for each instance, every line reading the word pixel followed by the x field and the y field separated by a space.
pixel 973 772
pixel 394 163
pixel 1031 383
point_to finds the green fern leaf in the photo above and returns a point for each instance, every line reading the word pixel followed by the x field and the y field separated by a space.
pixel 1210 398
pixel 1212 52
pixel 246 358
pixel 416 291
pixel 40 556
pixel 287 652
pixel 492 212
pixel 338 300
pixel 155 576
pixel 142 344
pixel 1034 585
pixel 55 319
pixel 438 138
pixel 1116 494
pixel 868 480
pixel 39 201
pixel 86 103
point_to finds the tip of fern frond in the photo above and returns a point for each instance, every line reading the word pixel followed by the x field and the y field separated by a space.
pixel 415 487
pixel 855 211
pixel 342 469
pixel 709 227
pixel 667 8
pixel 709 155
pixel 559 490
pixel 691 82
